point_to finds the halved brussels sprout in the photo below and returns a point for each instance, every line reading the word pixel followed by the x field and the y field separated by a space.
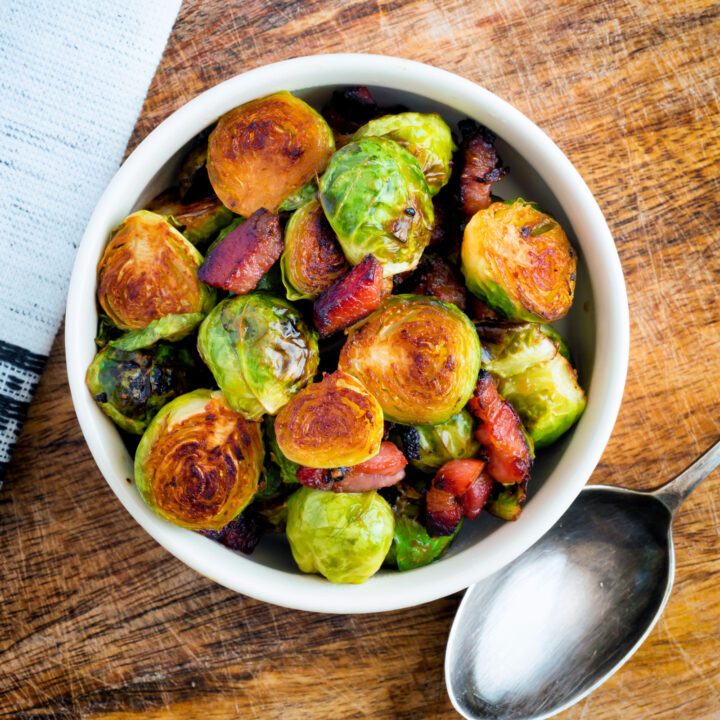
pixel 199 461
pixel 412 547
pixel 131 387
pixel 343 536
pixel 265 150
pixel 198 221
pixel 259 350
pixel 419 356
pixel 427 447
pixel 426 136
pixel 519 261
pixel 535 377
pixel 377 201
pixel 333 423
pixel 312 259
pixel 148 276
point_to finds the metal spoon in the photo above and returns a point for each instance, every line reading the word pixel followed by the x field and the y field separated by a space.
pixel 539 635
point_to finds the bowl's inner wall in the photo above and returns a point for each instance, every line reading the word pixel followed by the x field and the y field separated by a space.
pixel 578 327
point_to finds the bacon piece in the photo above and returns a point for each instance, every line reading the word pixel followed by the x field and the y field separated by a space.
pixel 382 470
pixel 243 533
pixel 315 478
pixel 481 166
pixel 460 487
pixel 439 279
pixel 500 431
pixel 456 476
pixel 350 298
pixel 443 512
pixel 350 108
pixel 244 255
pixel 480 312
pixel 474 498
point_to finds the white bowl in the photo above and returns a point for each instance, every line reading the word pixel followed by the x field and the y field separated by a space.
pixel 597 328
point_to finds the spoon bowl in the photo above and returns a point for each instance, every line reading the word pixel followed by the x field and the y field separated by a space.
pixel 543 632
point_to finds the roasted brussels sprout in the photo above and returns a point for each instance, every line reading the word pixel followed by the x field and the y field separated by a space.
pixel 535 377
pixel 199 461
pixel 131 387
pixel 199 221
pixel 377 201
pixel 335 422
pixel 506 501
pixel 344 537
pixel 148 281
pixel 411 546
pixel 259 350
pixel 265 150
pixel 419 356
pixel 519 261
pixel 430 446
pixel 312 259
pixel 426 136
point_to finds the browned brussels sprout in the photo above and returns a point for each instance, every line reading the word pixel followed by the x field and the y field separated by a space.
pixel 148 281
pixel 198 463
pixel 329 424
pixel 265 150
pixel 519 261
pixel 131 387
pixel 312 259
pixel 419 356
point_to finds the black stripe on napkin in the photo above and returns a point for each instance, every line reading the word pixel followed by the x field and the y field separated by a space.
pixel 20 372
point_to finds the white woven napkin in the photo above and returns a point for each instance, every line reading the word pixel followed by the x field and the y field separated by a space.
pixel 73 77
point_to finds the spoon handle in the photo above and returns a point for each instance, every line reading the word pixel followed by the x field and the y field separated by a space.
pixel 675 492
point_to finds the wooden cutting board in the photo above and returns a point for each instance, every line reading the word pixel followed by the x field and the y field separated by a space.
pixel 98 621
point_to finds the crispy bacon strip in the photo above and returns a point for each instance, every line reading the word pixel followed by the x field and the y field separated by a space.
pixel 481 166
pixel 480 312
pixel 443 512
pixel 500 431
pixel 456 476
pixel 315 478
pixel 350 108
pixel 244 255
pixel 439 279
pixel 382 470
pixel 243 533
pixel 460 487
pixel 350 298
pixel 474 498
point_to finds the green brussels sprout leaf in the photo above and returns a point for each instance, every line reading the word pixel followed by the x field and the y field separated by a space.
pixel 298 198
pixel 168 327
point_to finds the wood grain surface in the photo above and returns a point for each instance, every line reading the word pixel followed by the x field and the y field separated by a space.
pixel 98 621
